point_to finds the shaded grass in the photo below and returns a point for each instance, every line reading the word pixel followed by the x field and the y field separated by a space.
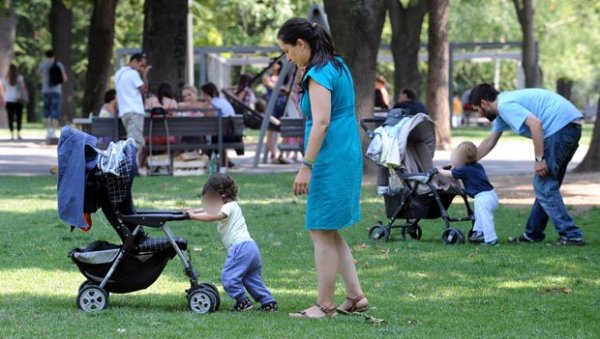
pixel 422 289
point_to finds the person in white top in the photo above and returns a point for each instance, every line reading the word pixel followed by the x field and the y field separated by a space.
pixel 15 95
pixel 242 270
pixel 131 82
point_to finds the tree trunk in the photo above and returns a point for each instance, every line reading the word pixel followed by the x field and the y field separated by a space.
pixel 356 27
pixel 60 19
pixel 7 40
pixel 564 87
pixel 438 67
pixel 591 162
pixel 164 41
pixel 406 43
pixel 533 73
pixel 100 52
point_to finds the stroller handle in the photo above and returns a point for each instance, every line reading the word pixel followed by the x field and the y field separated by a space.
pixel 374 120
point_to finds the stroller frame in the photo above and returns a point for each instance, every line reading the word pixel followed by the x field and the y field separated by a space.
pixel 202 297
pixel 411 227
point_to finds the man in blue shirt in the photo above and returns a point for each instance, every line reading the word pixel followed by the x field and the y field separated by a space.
pixel 554 125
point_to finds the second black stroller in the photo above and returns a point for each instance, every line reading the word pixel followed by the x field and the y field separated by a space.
pixel 90 179
pixel 403 148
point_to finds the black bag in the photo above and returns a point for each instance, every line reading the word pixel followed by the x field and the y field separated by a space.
pixel 55 74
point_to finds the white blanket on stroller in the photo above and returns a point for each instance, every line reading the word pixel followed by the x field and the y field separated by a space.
pixel 109 160
pixel 385 148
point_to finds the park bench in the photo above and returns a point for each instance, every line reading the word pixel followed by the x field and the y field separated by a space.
pixel 292 128
pixel 185 133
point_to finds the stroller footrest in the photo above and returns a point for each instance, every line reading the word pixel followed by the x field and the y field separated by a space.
pixel 159 244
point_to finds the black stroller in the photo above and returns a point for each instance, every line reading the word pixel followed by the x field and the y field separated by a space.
pixel 403 146
pixel 136 263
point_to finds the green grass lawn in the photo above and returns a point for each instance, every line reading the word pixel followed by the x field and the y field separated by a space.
pixel 423 289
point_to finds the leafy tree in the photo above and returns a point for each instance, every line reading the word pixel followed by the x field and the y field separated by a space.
pixel 437 76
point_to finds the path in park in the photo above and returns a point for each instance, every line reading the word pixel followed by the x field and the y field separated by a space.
pixel 34 157
pixel 509 166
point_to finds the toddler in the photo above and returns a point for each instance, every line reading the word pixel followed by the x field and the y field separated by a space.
pixel 477 186
pixel 242 270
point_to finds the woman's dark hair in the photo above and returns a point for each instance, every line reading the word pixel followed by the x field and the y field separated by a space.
pixel 223 185
pixel 244 81
pixel 210 89
pixel 110 95
pixel 319 40
pixel 13 74
pixel 164 91
pixel 480 92
pixel 49 53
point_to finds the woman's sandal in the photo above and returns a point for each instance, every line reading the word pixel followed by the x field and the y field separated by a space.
pixel 327 312
pixel 354 306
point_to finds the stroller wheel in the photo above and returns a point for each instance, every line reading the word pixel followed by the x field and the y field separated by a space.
pixel 201 301
pixel 378 233
pixel 215 293
pixel 453 236
pixel 415 232
pixel 92 299
pixel 84 284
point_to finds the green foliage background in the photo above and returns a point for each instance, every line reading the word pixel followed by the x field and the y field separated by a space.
pixel 565 30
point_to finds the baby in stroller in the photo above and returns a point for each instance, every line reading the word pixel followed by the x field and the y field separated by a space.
pixel 243 267
pixel 477 185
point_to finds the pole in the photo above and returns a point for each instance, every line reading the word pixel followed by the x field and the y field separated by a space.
pixel 189 59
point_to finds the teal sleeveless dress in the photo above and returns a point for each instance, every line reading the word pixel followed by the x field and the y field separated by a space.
pixel 333 200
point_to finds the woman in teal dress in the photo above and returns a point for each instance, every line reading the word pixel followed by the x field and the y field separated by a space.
pixel 331 173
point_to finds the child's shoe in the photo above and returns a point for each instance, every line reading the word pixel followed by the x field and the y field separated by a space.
pixel 242 305
pixel 270 307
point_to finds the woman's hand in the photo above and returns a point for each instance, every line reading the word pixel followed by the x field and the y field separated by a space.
pixel 302 181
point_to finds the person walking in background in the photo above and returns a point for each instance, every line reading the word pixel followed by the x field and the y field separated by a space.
pixel 131 81
pixel 15 95
pixel 269 82
pixel 554 125
pixel 53 77
pixel 331 172
pixel 382 97
pixel 408 101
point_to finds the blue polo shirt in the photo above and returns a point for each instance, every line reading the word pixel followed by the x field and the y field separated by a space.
pixel 553 110
pixel 474 178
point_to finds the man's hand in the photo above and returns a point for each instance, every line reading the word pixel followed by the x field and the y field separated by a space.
pixel 541 169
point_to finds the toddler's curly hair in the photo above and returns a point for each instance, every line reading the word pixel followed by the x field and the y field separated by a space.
pixel 223 185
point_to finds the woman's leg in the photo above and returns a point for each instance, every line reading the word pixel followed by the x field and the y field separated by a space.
pixel 19 117
pixel 10 111
pixel 326 257
pixel 270 152
pixel 347 269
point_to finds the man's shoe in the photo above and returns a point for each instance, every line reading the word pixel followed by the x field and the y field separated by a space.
pixel 563 241
pixel 522 238
pixel 476 237
pixel 494 242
